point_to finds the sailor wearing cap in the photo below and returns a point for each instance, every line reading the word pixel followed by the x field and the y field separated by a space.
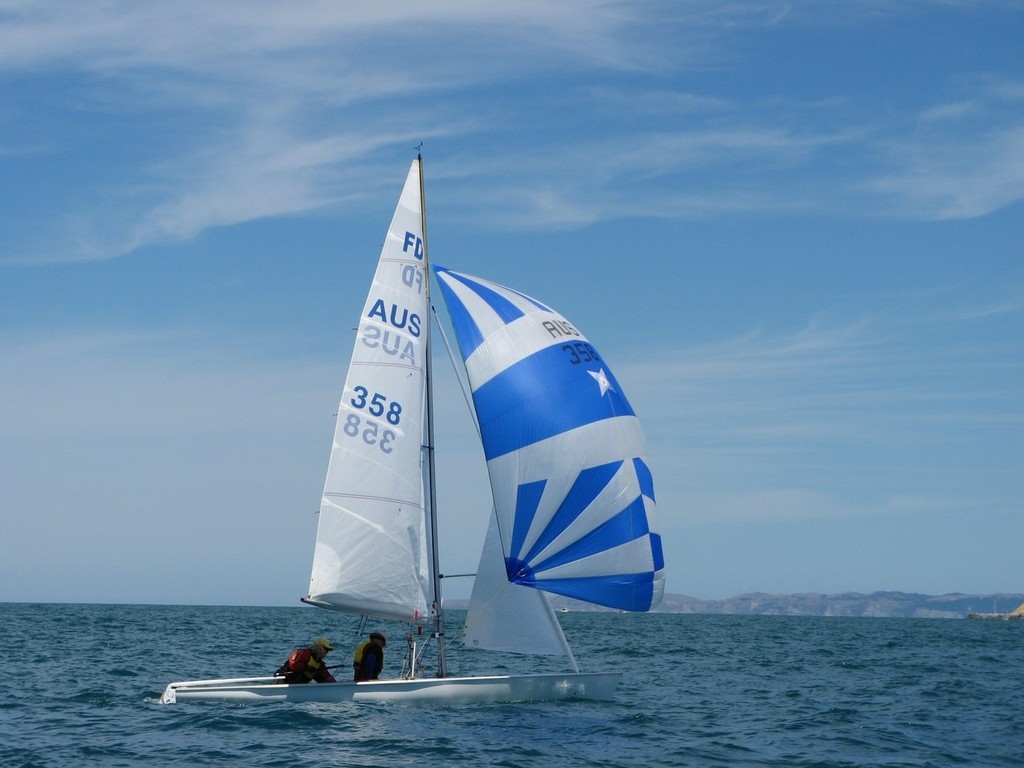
pixel 369 658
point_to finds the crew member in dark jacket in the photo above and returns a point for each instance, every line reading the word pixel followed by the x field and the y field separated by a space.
pixel 369 658
pixel 307 664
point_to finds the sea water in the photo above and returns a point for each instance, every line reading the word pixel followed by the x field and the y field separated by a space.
pixel 82 686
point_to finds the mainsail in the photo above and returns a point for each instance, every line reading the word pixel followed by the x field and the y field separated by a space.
pixel 573 495
pixel 370 556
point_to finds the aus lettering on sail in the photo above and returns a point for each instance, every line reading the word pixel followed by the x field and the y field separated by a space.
pixel 392 326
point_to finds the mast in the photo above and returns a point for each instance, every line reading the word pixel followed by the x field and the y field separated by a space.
pixel 431 484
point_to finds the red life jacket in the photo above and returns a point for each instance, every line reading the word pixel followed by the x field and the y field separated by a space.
pixel 297 661
pixel 302 661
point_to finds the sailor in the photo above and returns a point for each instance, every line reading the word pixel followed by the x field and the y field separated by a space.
pixel 307 664
pixel 369 658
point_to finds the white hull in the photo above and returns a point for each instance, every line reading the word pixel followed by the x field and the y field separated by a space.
pixel 447 690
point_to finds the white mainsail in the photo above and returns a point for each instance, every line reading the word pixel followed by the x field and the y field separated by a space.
pixel 370 556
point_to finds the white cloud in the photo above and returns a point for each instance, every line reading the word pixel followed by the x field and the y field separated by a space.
pixel 956 177
pixel 234 36
pixel 958 159
pixel 253 110
pixel 266 110
pixel 836 420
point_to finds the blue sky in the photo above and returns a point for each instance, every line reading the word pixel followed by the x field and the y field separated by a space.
pixel 794 229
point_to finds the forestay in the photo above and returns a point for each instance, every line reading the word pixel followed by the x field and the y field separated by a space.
pixel 370 556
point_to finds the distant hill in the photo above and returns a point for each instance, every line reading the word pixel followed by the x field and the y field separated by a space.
pixel 879 604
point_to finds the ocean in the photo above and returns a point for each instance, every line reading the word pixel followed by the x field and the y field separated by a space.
pixel 83 683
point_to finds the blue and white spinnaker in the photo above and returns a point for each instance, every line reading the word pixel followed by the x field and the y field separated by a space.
pixel 573 493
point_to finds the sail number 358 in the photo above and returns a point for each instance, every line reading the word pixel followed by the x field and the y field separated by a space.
pixel 581 352
pixel 377 406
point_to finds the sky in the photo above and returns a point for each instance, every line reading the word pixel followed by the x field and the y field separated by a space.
pixel 794 229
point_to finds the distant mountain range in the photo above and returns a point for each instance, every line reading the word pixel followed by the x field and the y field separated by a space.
pixel 879 604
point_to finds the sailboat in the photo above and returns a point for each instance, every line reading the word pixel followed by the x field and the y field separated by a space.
pixel 573 507
pixel 1017 614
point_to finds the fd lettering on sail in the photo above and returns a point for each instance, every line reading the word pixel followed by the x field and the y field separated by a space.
pixel 416 243
pixel 412 277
